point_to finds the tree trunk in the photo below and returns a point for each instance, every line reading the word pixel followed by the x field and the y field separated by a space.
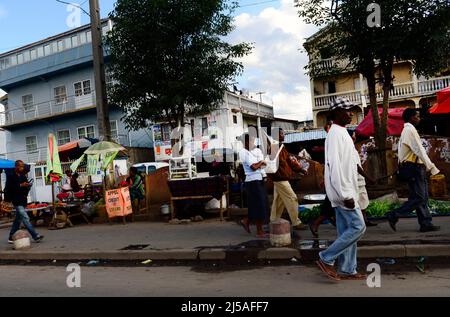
pixel 380 168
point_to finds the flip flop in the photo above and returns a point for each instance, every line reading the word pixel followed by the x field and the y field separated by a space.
pixel 246 226
pixel 354 277
pixel 314 233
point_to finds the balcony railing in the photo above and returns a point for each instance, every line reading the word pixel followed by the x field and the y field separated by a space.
pixel 47 109
pixel 398 92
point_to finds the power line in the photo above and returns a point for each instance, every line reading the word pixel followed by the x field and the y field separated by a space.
pixel 75 5
pixel 257 3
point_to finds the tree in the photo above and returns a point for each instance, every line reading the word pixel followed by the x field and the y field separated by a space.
pixel 169 59
pixel 415 30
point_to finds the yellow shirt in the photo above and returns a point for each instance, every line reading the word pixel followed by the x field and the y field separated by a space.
pixel 410 149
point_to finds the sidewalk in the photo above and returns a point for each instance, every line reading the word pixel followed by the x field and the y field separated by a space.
pixel 215 240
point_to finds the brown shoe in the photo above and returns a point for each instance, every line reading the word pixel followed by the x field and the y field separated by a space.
pixel 328 270
pixel 353 277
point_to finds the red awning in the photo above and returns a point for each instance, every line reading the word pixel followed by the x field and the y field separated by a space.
pixel 395 123
pixel 443 102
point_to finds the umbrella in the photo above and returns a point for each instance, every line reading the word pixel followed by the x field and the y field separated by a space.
pixel 443 102
pixel 394 125
pixel 102 148
pixel 54 169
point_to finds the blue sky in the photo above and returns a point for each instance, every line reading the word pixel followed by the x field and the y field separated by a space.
pixel 275 66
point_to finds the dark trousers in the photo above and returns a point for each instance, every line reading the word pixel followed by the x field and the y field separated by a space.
pixel 416 176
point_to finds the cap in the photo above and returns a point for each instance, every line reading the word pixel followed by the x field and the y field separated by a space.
pixel 342 103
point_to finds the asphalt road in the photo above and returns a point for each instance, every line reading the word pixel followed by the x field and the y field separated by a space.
pixel 278 281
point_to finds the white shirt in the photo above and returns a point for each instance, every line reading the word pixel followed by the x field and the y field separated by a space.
pixel 260 156
pixel 341 167
pixel 248 159
pixel 410 145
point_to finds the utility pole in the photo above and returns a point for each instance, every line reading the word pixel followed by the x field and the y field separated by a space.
pixel 104 127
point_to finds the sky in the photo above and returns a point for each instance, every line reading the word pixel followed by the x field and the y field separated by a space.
pixel 275 66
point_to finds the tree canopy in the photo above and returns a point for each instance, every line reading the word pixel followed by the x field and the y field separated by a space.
pixel 169 58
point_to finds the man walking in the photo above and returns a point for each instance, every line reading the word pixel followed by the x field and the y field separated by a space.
pixel 413 165
pixel 341 184
pixel 16 191
pixel 283 194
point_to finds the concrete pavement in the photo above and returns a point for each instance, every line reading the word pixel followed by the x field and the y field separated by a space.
pixel 215 240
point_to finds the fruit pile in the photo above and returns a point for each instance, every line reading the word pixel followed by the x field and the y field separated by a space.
pixel 36 206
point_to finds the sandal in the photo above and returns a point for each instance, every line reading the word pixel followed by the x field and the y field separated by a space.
pixel 245 225
pixel 353 277
pixel 263 236
pixel 315 233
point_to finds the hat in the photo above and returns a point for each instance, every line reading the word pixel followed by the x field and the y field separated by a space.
pixel 341 103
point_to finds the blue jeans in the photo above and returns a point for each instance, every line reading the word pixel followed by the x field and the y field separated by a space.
pixel 350 229
pixel 22 216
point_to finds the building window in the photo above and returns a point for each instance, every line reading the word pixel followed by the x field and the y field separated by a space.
pixel 60 45
pixel 63 137
pixel 13 60
pixel 26 57
pixel 86 132
pixel 89 36
pixel 82 38
pixel 19 58
pixel 204 126
pixel 192 128
pixel 33 54
pixel 47 49
pixel 40 52
pixel 68 43
pixel 114 131
pixel 75 41
pixel 60 95
pixel 31 144
pixel 82 88
pixel 165 132
pixel 27 102
pixel 235 119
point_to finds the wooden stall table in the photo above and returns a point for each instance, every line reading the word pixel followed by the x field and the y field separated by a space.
pixel 199 188
pixel 40 213
pixel 66 210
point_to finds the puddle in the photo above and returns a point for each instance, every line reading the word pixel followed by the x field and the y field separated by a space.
pixel 135 247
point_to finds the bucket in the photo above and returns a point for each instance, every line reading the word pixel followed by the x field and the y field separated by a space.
pixel 165 210
pixel 21 244
pixel 438 186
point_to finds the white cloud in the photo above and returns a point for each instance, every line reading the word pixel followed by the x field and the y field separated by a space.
pixel 276 64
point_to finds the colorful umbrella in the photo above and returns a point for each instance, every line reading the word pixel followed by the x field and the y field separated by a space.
pixel 54 169
pixel 103 148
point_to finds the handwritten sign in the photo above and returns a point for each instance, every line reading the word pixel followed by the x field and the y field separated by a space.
pixel 114 205
pixel 126 201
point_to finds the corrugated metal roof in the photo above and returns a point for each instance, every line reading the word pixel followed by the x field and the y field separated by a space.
pixel 305 136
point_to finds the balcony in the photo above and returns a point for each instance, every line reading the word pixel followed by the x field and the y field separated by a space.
pixel 16 115
pixel 328 65
pixel 421 88
pixel 249 106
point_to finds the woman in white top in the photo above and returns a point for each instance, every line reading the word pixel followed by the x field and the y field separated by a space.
pixel 258 207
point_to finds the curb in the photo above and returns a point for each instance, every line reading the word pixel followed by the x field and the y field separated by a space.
pixel 217 254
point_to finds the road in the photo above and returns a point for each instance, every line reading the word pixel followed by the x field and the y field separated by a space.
pixel 178 281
